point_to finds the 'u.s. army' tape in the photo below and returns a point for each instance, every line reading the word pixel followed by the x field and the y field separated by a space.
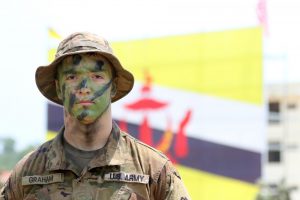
pixel 127 177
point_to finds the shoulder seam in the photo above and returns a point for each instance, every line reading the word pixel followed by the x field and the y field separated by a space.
pixel 145 145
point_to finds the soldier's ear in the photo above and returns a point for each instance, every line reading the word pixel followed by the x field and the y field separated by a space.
pixel 58 90
pixel 113 90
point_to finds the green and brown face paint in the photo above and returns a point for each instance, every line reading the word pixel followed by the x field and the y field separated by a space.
pixel 85 82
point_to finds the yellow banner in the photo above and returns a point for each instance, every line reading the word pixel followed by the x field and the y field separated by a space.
pixel 224 64
pixel 206 186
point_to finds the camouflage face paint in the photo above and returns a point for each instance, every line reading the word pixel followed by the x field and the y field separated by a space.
pixel 82 115
pixel 72 99
pixel 98 66
pixel 82 84
pixel 100 92
pixel 76 59
pixel 63 91
pixel 86 87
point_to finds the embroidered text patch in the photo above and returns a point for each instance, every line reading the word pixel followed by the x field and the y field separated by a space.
pixel 127 177
pixel 41 180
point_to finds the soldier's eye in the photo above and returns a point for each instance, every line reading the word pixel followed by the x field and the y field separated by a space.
pixel 97 76
pixel 70 77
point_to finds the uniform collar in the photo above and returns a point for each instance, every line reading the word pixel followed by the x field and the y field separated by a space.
pixel 110 154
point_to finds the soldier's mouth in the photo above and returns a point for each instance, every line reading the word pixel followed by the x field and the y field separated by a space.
pixel 86 102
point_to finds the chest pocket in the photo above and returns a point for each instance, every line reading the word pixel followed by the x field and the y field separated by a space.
pixel 88 189
pixel 46 192
pixel 40 194
pixel 124 193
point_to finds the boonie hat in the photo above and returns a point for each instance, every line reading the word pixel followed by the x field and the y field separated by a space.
pixel 79 43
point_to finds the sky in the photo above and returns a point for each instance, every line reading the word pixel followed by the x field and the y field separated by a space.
pixel 24 42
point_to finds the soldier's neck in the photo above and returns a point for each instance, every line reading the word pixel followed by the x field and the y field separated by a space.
pixel 88 137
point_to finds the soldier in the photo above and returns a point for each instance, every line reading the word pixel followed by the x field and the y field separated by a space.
pixel 91 158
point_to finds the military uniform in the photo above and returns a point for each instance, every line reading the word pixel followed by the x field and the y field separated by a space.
pixel 125 168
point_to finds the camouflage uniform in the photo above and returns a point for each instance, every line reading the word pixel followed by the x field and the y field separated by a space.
pixel 124 169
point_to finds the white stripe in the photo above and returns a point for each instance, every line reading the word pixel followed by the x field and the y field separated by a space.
pixel 214 119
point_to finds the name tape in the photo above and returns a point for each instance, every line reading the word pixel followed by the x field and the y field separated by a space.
pixel 127 177
pixel 42 180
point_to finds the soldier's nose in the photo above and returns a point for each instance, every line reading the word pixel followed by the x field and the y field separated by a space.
pixel 84 91
pixel 83 88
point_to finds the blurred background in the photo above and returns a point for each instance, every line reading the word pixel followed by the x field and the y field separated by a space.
pixel 217 85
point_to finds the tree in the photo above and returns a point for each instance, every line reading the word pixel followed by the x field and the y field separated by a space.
pixel 8 145
pixel 9 156
pixel 279 191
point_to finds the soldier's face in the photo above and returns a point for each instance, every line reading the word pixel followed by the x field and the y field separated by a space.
pixel 84 86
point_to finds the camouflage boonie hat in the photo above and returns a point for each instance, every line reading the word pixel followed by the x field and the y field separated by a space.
pixel 79 43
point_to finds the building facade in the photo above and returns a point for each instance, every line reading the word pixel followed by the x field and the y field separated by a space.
pixel 282 161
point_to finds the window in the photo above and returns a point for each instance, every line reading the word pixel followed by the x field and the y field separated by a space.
pixel 274 154
pixel 274 112
pixel 291 106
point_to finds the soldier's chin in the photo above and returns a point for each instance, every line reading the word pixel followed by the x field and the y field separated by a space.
pixel 87 121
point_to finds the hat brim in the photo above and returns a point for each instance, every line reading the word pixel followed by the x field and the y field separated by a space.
pixel 45 76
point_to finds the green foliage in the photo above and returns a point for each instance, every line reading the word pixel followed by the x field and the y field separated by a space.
pixel 9 156
pixel 278 192
pixel 8 145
